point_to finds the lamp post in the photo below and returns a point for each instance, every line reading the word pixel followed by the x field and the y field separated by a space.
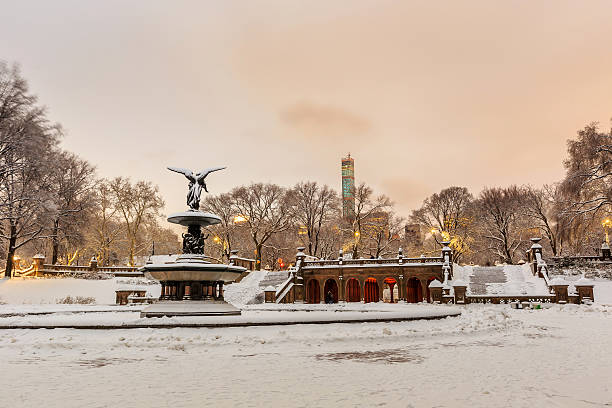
pixel 606 224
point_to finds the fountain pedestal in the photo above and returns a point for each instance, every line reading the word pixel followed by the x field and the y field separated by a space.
pixel 192 284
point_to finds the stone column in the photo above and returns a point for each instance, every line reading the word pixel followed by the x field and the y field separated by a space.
pixel 298 279
pixel 460 288
pixel 401 291
pixel 221 291
pixel 447 255
pixel 605 251
pixel 163 290
pixel 535 249
pixel 341 289
pixel 584 287
pixel 435 290
pixel 559 286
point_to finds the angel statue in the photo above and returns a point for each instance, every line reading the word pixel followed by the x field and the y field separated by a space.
pixel 196 183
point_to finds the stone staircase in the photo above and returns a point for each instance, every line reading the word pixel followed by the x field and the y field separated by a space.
pixel 274 278
pixel 483 275
pixel 505 280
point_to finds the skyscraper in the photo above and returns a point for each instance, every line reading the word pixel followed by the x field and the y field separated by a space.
pixel 348 185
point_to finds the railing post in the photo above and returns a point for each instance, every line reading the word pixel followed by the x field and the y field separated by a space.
pixel 535 249
pixel 460 288
pixel 584 287
pixel 233 256
pixel 559 286
pixel 93 264
pixel 605 251
pixel 400 256
pixel 38 261
pixel 298 279
pixel 447 255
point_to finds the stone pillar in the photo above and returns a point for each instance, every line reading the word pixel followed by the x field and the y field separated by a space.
pixel 435 290
pixel 174 290
pixel 535 249
pixel 221 297
pixel 270 295
pixel 605 251
pixel 233 256
pixel 187 294
pixel 341 289
pixel 423 283
pixel 584 287
pixel 93 264
pixel 298 280
pixel 38 262
pixel 400 256
pixel 559 286
pixel 322 290
pixel 460 288
pixel 401 290
pixel 447 255
pixel 163 290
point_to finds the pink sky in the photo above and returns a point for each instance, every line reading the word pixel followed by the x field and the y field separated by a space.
pixel 423 94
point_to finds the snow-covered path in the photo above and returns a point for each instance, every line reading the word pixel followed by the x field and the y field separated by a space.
pixel 489 356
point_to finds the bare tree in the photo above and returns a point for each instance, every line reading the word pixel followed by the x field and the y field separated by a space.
pixel 449 212
pixel 382 234
pixel 499 212
pixel 69 199
pixel 264 209
pixel 105 223
pixel 136 203
pixel 224 232
pixel 26 142
pixel 367 209
pixel 542 206
pixel 588 181
pixel 314 206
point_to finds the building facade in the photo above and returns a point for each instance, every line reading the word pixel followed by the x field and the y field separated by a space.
pixel 348 187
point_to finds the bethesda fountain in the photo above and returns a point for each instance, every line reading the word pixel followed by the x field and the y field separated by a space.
pixel 192 284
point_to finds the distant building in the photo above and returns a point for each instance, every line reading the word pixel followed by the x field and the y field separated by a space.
pixel 413 235
pixel 348 186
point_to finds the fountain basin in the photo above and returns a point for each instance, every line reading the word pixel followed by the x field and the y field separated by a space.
pixel 187 218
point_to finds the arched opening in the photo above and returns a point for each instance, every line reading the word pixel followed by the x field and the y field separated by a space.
pixel 371 293
pixel 390 291
pixel 414 292
pixel 353 291
pixel 330 291
pixel 427 293
pixel 313 294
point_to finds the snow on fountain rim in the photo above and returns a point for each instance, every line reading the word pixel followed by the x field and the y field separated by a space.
pixel 194 218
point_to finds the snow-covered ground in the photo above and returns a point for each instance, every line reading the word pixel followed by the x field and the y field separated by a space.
pixel 491 355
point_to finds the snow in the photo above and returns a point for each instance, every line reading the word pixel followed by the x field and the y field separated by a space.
pixel 50 291
pixel 489 356
pixel 246 290
pixel 501 280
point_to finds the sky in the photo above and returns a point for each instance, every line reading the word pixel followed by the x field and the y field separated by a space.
pixel 424 95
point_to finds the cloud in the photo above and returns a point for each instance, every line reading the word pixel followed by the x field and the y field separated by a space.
pixel 324 120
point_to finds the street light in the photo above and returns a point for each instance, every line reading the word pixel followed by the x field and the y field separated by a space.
pixel 606 224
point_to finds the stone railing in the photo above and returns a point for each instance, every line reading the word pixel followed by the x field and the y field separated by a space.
pixel 50 269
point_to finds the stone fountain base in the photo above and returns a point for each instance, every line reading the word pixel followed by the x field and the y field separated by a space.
pixel 190 308
pixel 191 286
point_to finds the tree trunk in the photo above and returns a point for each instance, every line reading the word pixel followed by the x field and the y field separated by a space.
pixel 11 252
pixel 258 248
pixel 55 242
